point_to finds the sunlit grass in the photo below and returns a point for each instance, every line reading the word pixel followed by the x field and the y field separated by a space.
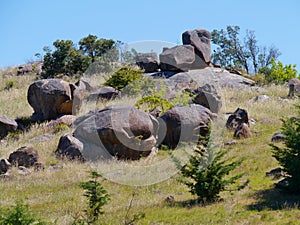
pixel 56 195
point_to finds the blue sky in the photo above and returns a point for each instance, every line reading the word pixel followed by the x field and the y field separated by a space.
pixel 28 26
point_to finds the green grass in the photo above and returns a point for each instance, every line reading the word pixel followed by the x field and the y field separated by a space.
pixel 55 195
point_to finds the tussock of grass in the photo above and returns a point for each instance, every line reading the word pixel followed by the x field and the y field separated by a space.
pixel 56 195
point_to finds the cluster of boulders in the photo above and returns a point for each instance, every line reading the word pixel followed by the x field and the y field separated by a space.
pixel 238 121
pixel 195 53
pixel 128 133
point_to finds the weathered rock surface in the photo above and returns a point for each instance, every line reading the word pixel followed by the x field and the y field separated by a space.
pixel 24 156
pixel 242 131
pixel 50 98
pixel 237 118
pixel 148 61
pixel 69 147
pixel 184 124
pixel 200 40
pixel 7 125
pixel 208 97
pixel 177 58
pixel 108 93
pixel 123 132
pixel 294 87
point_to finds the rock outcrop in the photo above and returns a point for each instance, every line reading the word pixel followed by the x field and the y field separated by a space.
pixel 148 62
pixel 178 58
pixel 200 40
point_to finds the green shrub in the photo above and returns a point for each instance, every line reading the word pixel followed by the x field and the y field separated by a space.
pixel 19 215
pixel 141 86
pixel 289 155
pixel 279 73
pixel 9 85
pixel 124 76
pixel 260 79
pixel 97 197
pixel 206 173
pixel 152 102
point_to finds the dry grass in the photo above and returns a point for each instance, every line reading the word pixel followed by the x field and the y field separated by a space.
pixel 56 196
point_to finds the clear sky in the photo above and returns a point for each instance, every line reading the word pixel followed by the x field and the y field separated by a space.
pixel 27 26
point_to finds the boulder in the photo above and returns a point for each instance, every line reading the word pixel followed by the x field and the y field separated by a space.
pixel 278 137
pixel 23 69
pixel 50 98
pixel 237 118
pixel 6 126
pixel 108 93
pixel 66 119
pixel 69 147
pixel 24 156
pixel 122 132
pixel 294 87
pixel 178 58
pixel 4 166
pixel 200 39
pixel 242 131
pixel 184 124
pixel 208 97
pixel 147 61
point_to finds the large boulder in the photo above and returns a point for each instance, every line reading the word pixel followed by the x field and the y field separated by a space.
pixel 208 97
pixel 25 156
pixel 123 132
pixel 147 61
pixel 200 39
pixel 178 58
pixel 237 118
pixel 184 124
pixel 69 147
pixel 50 98
pixel 6 126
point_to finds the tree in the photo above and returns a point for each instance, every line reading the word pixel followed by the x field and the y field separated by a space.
pixel 67 59
pixel 97 197
pixel 288 156
pixel 19 214
pixel 206 173
pixel 94 47
pixel 231 51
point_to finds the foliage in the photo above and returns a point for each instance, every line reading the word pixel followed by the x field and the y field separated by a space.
pixel 154 101
pixel 231 51
pixel 19 215
pixel 123 77
pixel 207 173
pixel 280 73
pixel 289 155
pixel 141 86
pixel 9 85
pixel 67 59
pixel 97 197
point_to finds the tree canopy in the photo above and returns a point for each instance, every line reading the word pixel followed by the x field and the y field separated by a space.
pixel 244 54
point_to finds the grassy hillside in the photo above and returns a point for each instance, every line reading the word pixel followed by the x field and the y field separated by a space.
pixel 56 196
